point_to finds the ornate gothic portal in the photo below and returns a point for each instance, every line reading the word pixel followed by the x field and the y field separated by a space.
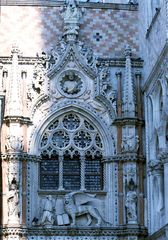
pixel 72 155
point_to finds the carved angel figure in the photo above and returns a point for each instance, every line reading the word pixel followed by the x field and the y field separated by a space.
pixel 79 203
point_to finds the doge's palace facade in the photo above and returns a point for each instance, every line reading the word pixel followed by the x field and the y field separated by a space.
pixel 73 138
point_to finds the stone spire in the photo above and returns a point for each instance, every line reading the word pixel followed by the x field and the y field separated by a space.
pixel 129 96
pixel 71 15
pixel 14 105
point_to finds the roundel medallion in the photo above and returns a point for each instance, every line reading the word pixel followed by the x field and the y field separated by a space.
pixel 71 84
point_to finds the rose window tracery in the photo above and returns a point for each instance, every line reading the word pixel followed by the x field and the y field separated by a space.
pixel 76 148
pixel 60 139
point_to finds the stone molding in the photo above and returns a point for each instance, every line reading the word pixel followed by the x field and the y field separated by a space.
pixel 125 158
pixel 108 62
pixel 94 5
pixel 17 119
pixel 73 231
pixel 130 121
pixel 20 157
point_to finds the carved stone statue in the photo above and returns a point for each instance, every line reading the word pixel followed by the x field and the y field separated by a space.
pixel 75 206
pixel 48 212
pixel 14 143
pixel 13 202
pixel 131 206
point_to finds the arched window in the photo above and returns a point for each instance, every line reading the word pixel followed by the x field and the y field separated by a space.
pixel 71 152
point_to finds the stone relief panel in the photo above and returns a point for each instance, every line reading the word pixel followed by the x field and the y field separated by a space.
pixel 130 143
pixel 75 208
pixel 14 143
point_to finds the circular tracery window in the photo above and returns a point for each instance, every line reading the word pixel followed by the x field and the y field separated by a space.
pixel 72 132
pixel 60 139
pixel 71 121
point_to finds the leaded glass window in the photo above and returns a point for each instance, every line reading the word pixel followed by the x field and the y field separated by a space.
pixel 71 150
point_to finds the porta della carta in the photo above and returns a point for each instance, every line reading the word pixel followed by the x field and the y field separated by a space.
pixel 84 120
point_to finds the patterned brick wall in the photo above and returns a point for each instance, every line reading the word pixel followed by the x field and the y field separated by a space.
pixel 38 28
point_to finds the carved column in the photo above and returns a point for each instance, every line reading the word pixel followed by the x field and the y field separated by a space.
pixel 119 95
pixel 119 140
pixel 82 159
pixel 164 159
pixel 61 159
pixel 1 77
pixel 156 193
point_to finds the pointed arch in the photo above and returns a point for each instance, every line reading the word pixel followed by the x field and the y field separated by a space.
pixel 95 119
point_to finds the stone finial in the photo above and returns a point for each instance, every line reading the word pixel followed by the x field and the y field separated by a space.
pixel 15 49
pixel 71 15
pixel 129 96
pixel 14 95
pixel 128 51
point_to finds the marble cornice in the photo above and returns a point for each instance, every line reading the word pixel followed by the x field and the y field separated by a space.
pixel 110 62
pixel 125 157
pixel 92 5
pixel 19 156
pixel 119 62
pixel 128 120
pixel 125 230
pixel 17 119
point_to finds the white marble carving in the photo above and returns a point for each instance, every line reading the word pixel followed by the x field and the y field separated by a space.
pixel 47 217
pixel 79 206
pixel 14 143
pixel 71 15
pixel 13 202
pixel 39 77
pixel 130 143
pixel 131 207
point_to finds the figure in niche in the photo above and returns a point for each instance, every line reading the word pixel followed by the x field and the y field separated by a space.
pixel 13 200
pixel 48 212
pixel 131 203
pixel 71 83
